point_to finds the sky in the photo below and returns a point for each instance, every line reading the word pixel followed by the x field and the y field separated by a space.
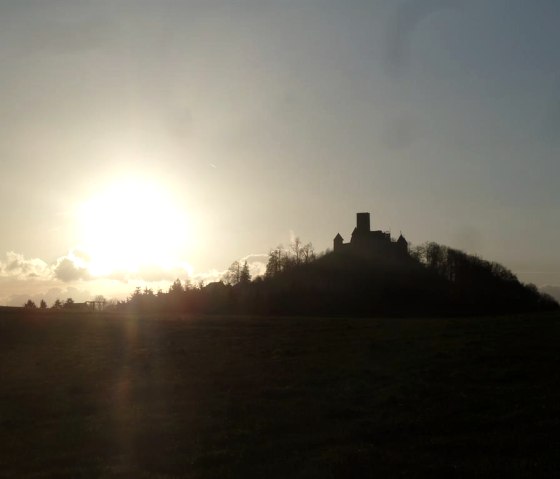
pixel 143 141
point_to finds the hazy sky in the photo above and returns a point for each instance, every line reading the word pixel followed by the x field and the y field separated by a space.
pixel 214 130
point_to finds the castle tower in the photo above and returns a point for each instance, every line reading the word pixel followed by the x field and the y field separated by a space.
pixel 337 243
pixel 362 222
pixel 402 244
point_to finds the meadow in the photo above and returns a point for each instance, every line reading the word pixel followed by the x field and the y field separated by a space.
pixel 102 395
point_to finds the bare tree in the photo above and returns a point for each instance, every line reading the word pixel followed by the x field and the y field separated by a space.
pixel 233 275
pixel 99 302
pixel 275 261
pixel 307 253
pixel 296 249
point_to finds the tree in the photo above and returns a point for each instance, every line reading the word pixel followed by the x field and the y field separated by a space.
pixel 233 275
pixel 280 260
pixel 307 253
pixel 43 304
pixel 435 256
pixel 30 304
pixel 245 276
pixel 57 304
pixel 296 247
pixel 176 287
pixel 99 302
pixel 276 261
pixel 69 303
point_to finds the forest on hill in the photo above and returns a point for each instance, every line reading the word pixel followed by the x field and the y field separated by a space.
pixel 430 280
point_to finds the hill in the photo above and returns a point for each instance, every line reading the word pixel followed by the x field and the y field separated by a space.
pixel 426 281
pixel 372 275
pixel 552 291
pixel 437 280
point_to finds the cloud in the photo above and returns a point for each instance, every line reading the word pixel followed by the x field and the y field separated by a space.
pixel 154 273
pixel 15 265
pixel 23 278
pixel 208 276
pixel 257 263
pixel 67 270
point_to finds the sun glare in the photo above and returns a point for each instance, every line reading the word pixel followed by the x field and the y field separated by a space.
pixel 131 225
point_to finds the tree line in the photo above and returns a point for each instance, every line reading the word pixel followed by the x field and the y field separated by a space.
pixel 69 303
pixel 431 280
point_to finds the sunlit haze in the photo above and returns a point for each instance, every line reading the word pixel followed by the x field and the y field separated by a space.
pixel 130 225
pixel 143 141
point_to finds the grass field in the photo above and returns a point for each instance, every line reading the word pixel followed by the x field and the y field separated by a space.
pixel 84 395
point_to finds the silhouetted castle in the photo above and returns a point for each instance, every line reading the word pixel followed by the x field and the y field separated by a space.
pixel 370 243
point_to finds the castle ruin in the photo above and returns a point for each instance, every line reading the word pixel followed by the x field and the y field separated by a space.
pixel 370 243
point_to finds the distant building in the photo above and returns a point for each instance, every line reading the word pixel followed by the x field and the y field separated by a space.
pixel 370 243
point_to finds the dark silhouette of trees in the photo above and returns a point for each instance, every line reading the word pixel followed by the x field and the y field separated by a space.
pixel 233 274
pixel 301 253
pixel 280 260
pixel 245 276
pixel 276 261
pixel 432 280
pixel 30 304
pixel 57 304
pixel 478 285
pixel 99 303
pixel 237 274
pixel 42 304
pixel 307 253
pixel 176 288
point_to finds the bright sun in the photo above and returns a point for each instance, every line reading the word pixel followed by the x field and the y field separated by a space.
pixel 130 225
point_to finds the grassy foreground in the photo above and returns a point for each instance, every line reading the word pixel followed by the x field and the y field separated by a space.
pixel 85 395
